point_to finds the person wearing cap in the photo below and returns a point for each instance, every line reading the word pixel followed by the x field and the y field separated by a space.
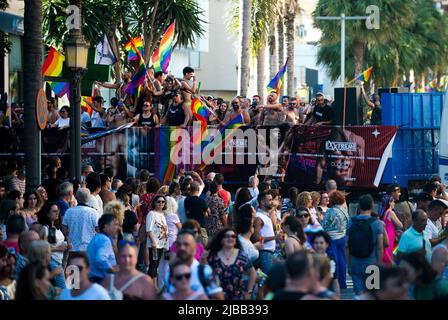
pixel 322 114
pixel 98 113
pixel 436 209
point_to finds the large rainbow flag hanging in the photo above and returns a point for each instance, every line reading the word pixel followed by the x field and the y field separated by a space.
pixel 365 76
pixel 134 47
pixel 52 67
pixel 162 55
pixel 164 167
pixel 139 76
pixel 277 81
pixel 60 89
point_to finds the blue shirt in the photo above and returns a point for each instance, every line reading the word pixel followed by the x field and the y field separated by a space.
pixel 411 241
pixel 101 255
pixel 63 206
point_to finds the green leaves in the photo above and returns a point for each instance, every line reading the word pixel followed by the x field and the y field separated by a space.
pixel 412 36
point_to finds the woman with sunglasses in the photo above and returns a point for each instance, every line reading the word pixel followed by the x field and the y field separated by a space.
pixel 157 233
pixel 148 118
pixel 64 120
pixel 32 202
pixel 180 275
pixel 231 265
pixel 391 221
pixel 129 283
pixel 308 226
pixel 305 200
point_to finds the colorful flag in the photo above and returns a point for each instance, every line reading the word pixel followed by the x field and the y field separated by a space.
pixel 165 167
pixel 104 54
pixel 139 77
pixel 52 66
pixel 235 123
pixel 200 111
pixel 162 55
pixel 60 89
pixel 134 48
pixel 85 106
pixel 277 81
pixel 365 76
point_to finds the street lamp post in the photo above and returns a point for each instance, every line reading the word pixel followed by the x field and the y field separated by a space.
pixel 76 50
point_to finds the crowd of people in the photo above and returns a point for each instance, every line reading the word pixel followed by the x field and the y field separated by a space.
pixel 166 100
pixel 102 238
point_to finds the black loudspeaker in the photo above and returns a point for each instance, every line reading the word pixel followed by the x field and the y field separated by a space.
pixel 353 111
pixel 392 90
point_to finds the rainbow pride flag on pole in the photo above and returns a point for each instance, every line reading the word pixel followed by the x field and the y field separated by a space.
pixel 365 76
pixel 162 55
pixel 277 81
pixel 134 48
pixel 139 77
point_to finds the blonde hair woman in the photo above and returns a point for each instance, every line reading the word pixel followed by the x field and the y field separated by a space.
pixel 40 252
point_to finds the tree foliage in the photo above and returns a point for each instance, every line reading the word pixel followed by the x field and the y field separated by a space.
pixel 124 18
pixel 5 44
pixel 412 36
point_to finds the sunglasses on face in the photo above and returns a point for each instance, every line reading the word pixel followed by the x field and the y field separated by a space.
pixel 63 111
pixel 306 215
pixel 179 277
pixel 160 201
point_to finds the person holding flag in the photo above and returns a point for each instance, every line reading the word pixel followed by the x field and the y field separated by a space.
pixel 374 104
pixel 272 111
pixel 188 90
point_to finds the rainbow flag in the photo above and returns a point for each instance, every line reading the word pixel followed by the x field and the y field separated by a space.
pixel 235 123
pixel 164 166
pixel 139 76
pixel 60 89
pixel 162 55
pixel 85 106
pixel 277 81
pixel 365 76
pixel 52 66
pixel 134 47
pixel 200 111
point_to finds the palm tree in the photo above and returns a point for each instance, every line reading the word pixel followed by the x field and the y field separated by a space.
pixel 281 38
pixel 120 19
pixel 32 64
pixel 246 10
pixel 363 47
pixel 291 8
pixel 272 54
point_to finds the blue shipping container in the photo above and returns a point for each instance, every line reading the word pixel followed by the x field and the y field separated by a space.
pixel 415 153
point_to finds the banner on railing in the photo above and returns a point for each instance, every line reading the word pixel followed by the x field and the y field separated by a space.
pixel 300 155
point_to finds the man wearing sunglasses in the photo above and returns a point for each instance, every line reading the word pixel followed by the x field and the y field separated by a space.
pixel 322 114
pixel 202 278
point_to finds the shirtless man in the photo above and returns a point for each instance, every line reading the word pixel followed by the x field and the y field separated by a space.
pixel 120 88
pixel 237 109
pixel 291 112
pixel 118 114
pixel 187 90
pixel 53 114
pixel 271 113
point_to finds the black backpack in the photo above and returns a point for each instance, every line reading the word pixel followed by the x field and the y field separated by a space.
pixel 360 241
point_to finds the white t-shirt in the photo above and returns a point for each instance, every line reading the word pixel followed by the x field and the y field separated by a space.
pixel 96 203
pixel 61 122
pixel 58 256
pixel 431 230
pixel 85 117
pixel 156 223
pixel 267 231
pixel 81 222
pixel 248 248
pixel 97 120
pixel 95 292
pixel 254 192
